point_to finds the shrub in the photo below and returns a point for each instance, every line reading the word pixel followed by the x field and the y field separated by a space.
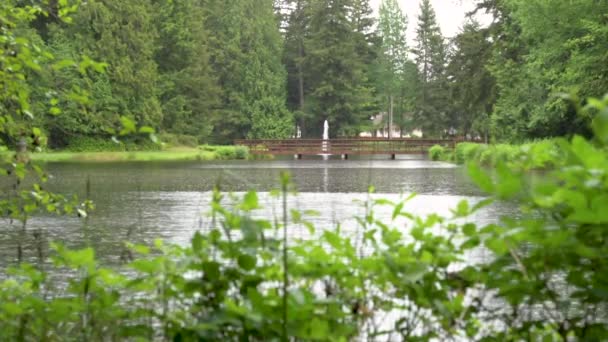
pixel 225 152
pixel 437 152
pixel 106 144
pixel 241 152
pixel 486 156
pixel 503 153
pixel 143 144
pixel 208 148
pixel 467 151
pixel 94 144
pixel 542 154
pixel 179 139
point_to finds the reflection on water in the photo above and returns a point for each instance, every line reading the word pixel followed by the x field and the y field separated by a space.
pixel 143 201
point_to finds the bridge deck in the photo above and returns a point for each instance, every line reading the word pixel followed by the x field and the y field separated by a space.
pixel 342 146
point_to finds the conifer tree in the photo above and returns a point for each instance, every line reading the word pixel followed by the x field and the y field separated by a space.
pixel 393 57
pixel 338 79
pixel 472 85
pixel 431 59
pixel 188 89
pixel 122 34
pixel 246 55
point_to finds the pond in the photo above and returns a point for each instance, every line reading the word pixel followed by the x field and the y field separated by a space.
pixel 139 202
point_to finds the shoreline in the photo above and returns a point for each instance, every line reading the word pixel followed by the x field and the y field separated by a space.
pixel 206 153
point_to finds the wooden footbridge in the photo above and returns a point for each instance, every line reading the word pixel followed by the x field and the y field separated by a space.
pixel 343 147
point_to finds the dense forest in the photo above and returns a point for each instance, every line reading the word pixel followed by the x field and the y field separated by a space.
pixel 220 70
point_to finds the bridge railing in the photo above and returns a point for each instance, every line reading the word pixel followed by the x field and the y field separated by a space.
pixel 343 146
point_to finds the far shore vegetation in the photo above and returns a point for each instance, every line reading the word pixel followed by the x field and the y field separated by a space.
pixel 180 153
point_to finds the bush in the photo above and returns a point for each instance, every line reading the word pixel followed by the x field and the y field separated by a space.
pixel 94 144
pixel 503 153
pixel 486 156
pixel 143 144
pixel 538 155
pixel 179 140
pixel 467 151
pixel 437 152
pixel 106 144
pixel 227 152
pixel 241 152
pixel 208 148
pixel 542 154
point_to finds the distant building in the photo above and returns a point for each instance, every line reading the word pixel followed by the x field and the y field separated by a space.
pixel 381 129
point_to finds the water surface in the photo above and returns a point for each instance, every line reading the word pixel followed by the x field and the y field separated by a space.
pixel 143 201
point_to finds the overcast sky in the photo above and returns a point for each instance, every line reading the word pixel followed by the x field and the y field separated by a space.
pixel 450 14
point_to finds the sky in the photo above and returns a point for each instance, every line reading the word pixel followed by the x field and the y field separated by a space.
pixel 450 14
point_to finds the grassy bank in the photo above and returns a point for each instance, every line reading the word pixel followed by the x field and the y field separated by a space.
pixel 203 153
pixel 538 154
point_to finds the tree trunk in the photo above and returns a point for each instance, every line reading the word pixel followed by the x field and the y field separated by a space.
pixel 390 117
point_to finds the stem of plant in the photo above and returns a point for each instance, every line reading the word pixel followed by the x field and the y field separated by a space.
pixel 284 185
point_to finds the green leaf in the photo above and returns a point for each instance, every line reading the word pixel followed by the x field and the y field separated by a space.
pixel 497 245
pixel 481 178
pixel 397 210
pixel 319 329
pixel 250 201
pixel 62 64
pixel 469 229
pixel 146 266
pixel 146 129
pixel 211 270
pixel 197 242
pixel 128 126
pixel 482 204
pixel 246 262
pixel 462 210
pixel 509 184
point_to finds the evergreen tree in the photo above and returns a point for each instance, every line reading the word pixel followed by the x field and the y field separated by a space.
pixel 188 92
pixel 431 60
pixel 367 46
pixel 122 34
pixel 533 64
pixel 293 59
pixel 393 57
pixel 336 70
pixel 246 55
pixel 472 85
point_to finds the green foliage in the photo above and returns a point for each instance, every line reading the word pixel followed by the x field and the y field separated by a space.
pixel 472 87
pixel 189 91
pixel 244 277
pixel 431 57
pixel 227 152
pixel 437 152
pixel 106 144
pixel 467 151
pixel 92 144
pixel 533 65
pixel 245 50
pixel 542 154
pixel 175 140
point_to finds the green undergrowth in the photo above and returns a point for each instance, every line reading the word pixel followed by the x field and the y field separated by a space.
pixel 403 277
pixel 540 154
pixel 202 153
pixel 107 144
